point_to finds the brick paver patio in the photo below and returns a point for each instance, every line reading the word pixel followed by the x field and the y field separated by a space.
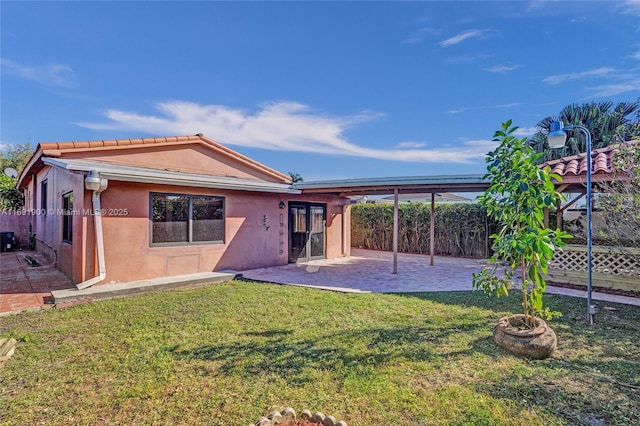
pixel 23 287
pixel 370 271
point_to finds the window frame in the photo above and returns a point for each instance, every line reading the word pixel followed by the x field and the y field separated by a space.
pixel 67 218
pixel 190 241
pixel 44 185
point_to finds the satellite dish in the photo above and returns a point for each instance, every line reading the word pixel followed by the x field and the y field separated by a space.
pixel 11 172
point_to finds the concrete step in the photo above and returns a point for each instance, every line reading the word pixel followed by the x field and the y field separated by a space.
pixel 113 290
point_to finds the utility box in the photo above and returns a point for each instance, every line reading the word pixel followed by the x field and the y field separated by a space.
pixel 7 241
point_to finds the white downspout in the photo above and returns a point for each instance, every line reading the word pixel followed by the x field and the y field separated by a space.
pixel 97 185
pixel 344 230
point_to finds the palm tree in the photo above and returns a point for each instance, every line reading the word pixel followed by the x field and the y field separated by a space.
pixel 295 177
pixel 606 124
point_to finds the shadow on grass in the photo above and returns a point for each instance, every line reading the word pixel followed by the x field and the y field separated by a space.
pixel 278 353
pixel 593 392
pixel 511 303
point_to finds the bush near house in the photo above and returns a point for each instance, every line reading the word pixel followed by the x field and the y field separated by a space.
pixel 10 198
pixel 460 229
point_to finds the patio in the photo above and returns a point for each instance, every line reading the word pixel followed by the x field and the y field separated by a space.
pixel 24 287
pixel 371 271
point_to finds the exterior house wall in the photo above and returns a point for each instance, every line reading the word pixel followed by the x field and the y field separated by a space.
pixel 256 229
pixel 252 233
pixel 47 208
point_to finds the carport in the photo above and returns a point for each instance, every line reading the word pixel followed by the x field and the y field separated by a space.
pixel 572 169
pixel 399 185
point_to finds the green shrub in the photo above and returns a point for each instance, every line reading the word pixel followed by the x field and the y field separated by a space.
pixel 460 229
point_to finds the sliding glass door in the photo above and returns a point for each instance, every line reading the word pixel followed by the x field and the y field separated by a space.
pixel 307 223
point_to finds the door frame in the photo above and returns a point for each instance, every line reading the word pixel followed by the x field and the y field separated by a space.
pixel 307 249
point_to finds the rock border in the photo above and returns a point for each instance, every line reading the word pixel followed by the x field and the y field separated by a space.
pixel 288 415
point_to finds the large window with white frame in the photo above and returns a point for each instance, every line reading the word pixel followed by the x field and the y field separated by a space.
pixel 186 219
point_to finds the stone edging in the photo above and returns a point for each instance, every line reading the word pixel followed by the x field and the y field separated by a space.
pixel 289 414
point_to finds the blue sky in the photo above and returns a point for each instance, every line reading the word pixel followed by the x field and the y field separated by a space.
pixel 328 90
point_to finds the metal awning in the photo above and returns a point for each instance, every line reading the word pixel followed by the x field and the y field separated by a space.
pixel 404 185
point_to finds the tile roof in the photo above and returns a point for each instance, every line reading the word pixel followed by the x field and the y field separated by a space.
pixel 64 146
pixel 58 149
pixel 602 162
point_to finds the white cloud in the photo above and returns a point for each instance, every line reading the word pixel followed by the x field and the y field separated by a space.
pixel 598 72
pixel 460 38
pixel 480 146
pixel 630 7
pixel 280 126
pixel 502 68
pixel 526 131
pixel 50 75
pixel 636 55
pixel 410 144
pixel 509 105
pixel 463 109
pixel 420 35
pixel 612 89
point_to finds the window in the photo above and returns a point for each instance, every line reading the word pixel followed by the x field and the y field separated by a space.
pixel 43 197
pixel 185 219
pixel 67 217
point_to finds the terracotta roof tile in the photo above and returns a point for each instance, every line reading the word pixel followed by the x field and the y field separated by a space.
pixel 602 162
pixel 56 149
pixel 46 146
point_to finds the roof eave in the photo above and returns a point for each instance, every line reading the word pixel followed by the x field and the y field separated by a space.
pixel 162 177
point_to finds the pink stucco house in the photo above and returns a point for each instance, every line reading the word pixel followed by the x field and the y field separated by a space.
pixel 133 209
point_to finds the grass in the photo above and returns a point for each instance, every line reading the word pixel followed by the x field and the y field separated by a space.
pixel 227 354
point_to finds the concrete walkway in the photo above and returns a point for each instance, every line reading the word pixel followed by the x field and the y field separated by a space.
pixel 30 288
pixel 24 287
pixel 370 271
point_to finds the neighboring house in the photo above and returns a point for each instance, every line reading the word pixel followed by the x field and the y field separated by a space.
pixel 171 206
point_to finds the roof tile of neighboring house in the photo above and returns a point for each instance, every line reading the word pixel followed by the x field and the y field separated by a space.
pixel 603 162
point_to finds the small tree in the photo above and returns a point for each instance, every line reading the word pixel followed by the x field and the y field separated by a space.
pixel 295 177
pixel 10 197
pixel 619 202
pixel 519 192
pixel 15 156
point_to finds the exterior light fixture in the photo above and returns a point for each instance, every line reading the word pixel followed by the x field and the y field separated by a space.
pixel 282 205
pixel 556 139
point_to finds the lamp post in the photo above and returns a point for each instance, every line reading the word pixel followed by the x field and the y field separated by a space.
pixel 557 138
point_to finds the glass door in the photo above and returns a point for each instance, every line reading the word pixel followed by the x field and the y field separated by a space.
pixel 307 223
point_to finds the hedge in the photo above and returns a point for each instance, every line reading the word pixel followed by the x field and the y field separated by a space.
pixel 460 229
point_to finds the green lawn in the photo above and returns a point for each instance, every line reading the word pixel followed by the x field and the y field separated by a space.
pixel 227 354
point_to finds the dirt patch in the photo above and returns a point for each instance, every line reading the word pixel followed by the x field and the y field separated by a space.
pixel 606 290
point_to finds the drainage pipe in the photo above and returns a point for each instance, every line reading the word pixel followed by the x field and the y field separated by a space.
pixel 344 229
pixel 93 182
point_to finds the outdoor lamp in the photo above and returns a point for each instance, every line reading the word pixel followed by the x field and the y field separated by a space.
pixel 556 139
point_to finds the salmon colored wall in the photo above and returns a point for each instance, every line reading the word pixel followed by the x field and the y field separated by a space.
pixel 192 158
pixel 252 233
pixel 48 225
